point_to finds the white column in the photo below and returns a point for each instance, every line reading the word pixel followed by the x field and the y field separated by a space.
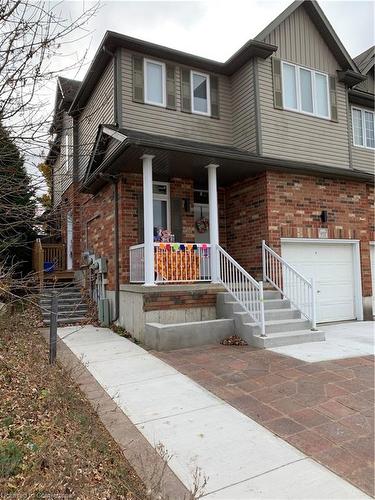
pixel 148 219
pixel 214 220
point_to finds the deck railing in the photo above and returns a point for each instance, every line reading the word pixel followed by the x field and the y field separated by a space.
pixel 173 262
pixel 300 291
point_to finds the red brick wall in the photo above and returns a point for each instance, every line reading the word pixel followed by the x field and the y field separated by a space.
pixel 246 221
pixel 178 300
pixel 295 202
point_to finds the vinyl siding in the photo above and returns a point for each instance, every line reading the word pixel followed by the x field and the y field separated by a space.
pixel 292 135
pixel 363 159
pixel 369 84
pixel 57 188
pixel 174 123
pixel 66 171
pixel 99 109
pixel 243 108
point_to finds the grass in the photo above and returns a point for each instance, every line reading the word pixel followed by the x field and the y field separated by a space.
pixel 51 441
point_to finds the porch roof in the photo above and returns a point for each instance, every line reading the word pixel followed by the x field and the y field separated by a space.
pixel 184 158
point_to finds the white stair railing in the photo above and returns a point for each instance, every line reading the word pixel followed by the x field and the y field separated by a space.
pixel 293 286
pixel 244 288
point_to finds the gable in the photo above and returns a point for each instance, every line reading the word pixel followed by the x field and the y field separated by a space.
pixel 299 40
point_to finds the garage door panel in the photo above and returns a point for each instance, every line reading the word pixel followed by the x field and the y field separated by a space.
pixel 331 265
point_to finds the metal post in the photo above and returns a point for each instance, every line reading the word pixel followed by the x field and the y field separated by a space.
pixel 261 296
pixel 264 260
pixel 53 329
pixel 313 305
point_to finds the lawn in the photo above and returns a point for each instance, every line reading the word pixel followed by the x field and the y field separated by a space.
pixel 51 441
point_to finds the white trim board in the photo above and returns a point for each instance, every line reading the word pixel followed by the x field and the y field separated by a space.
pixel 358 302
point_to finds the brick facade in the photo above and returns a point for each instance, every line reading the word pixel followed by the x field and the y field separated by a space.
pixel 178 300
pixel 269 206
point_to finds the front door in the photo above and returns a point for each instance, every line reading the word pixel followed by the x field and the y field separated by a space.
pixel 69 241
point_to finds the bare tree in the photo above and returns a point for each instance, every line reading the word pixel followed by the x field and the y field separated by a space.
pixel 34 36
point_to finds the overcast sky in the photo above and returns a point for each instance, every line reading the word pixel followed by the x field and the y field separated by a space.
pixel 212 28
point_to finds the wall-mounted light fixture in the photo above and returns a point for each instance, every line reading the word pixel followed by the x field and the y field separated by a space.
pixel 324 216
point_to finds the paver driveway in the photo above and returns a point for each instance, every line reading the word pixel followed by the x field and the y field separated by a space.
pixel 326 409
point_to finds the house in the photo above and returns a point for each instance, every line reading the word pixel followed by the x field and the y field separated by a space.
pixel 275 145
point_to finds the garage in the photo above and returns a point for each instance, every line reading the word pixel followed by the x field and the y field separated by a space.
pixel 334 264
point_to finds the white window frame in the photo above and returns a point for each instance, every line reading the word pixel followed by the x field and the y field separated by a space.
pixel 363 120
pixel 163 77
pixel 299 109
pixel 66 152
pixel 163 197
pixel 205 75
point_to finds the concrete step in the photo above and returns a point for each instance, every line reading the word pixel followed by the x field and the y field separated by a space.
pixel 283 325
pixel 66 307
pixel 68 312
pixel 61 296
pixel 272 314
pixel 288 338
pixel 276 304
pixel 62 321
pixel 268 295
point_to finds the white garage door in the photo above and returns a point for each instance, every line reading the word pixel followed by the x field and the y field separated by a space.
pixel 332 267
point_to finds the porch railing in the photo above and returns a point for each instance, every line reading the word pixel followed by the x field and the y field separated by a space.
pixel 56 254
pixel 293 286
pixel 244 288
pixel 173 262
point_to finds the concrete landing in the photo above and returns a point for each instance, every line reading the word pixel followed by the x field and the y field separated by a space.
pixel 240 458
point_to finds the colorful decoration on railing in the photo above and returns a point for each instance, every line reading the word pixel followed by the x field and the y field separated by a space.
pixel 181 261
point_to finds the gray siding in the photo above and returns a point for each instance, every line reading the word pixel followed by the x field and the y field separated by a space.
pixel 98 109
pixel 174 123
pixel 293 135
pixel 63 172
pixel 363 159
pixel 369 84
pixel 57 189
pixel 243 108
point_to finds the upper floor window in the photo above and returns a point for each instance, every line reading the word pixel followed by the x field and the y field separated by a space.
pixel 200 93
pixel 154 82
pixel 305 90
pixel 363 128
pixel 66 159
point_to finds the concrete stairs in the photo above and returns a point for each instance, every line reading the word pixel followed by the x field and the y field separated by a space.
pixel 71 307
pixel 284 324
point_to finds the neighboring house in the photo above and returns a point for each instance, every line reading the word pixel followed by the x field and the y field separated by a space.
pixel 285 128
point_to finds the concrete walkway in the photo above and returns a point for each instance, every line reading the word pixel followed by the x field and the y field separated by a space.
pixel 343 340
pixel 240 458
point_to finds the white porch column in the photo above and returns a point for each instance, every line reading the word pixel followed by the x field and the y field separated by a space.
pixel 148 219
pixel 214 220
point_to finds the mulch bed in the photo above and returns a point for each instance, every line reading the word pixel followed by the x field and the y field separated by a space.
pixel 51 440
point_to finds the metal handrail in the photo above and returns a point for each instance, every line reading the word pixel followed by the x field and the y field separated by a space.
pixel 244 288
pixel 293 286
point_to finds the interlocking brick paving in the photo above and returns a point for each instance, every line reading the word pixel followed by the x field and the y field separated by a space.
pixel 325 409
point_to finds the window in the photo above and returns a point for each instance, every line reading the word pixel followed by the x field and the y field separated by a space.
pixel 161 205
pixel 66 159
pixel 305 90
pixel 200 93
pixel 154 82
pixel 363 128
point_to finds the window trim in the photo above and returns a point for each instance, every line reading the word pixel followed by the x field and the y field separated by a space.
pixel 363 120
pixel 297 79
pixel 207 76
pixel 163 77
pixel 163 197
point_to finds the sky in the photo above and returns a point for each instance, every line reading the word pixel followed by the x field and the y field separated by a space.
pixel 211 28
